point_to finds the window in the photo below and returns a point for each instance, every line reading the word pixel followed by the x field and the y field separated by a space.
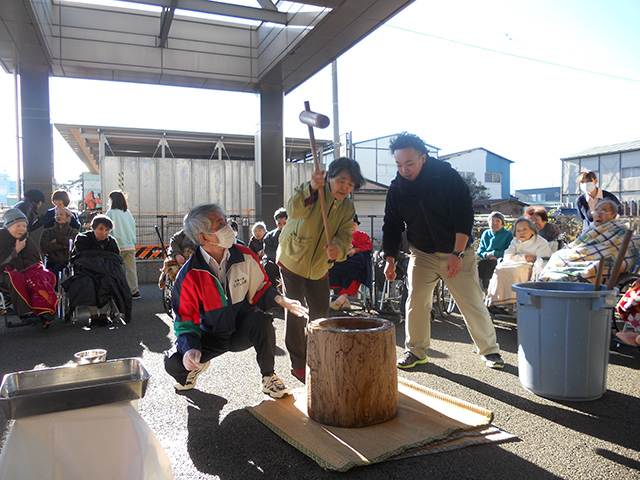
pixel 490 177
pixel 385 170
pixel 630 172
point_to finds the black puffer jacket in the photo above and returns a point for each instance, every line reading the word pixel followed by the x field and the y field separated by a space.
pixel 435 206
pixel 97 277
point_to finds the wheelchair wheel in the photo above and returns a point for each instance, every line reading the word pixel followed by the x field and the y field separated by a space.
pixel 445 304
pixel 166 296
pixel 398 296
pixel 114 314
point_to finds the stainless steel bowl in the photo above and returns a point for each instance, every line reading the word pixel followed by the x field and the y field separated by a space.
pixel 91 356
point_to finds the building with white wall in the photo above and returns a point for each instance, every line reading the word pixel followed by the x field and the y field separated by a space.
pixel 616 166
pixel 491 170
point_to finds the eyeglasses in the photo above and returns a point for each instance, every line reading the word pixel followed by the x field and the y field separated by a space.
pixel 601 212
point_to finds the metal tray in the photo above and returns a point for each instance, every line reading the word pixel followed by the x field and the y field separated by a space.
pixel 35 392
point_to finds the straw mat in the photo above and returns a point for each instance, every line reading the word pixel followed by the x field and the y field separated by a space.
pixel 427 422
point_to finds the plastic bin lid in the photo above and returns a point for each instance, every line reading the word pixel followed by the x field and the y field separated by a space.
pixel 563 289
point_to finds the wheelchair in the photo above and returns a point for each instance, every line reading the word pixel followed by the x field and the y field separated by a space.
pixel 6 309
pixel 73 307
pixel 623 284
pixel 166 283
pixel 391 297
pixel 166 296
pixel 443 301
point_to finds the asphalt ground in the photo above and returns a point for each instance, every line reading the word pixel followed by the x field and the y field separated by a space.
pixel 208 434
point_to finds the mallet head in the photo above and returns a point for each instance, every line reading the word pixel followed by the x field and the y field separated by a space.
pixel 314 119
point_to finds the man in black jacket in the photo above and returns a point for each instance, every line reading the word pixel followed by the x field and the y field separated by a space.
pixel 434 203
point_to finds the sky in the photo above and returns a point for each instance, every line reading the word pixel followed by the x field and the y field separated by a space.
pixel 530 80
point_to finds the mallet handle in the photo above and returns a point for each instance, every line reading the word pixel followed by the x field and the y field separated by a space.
pixel 316 164
pixel 613 279
pixel 599 274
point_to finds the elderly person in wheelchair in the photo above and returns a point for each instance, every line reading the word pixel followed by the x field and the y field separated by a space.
pixel 578 261
pixel 523 261
pixel 54 242
pixel 22 274
pixel 493 243
pixel 98 282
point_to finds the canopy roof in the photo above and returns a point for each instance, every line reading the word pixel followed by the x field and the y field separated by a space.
pixel 232 45
pixel 139 142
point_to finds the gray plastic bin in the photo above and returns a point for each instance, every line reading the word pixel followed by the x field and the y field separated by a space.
pixel 564 330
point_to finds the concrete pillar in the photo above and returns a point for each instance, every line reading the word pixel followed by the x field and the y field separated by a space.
pixel 37 131
pixel 269 147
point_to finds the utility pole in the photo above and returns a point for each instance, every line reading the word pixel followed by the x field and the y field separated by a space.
pixel 336 123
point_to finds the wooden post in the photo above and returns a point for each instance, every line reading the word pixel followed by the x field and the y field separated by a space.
pixel 352 379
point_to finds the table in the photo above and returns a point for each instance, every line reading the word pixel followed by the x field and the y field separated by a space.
pixel 110 442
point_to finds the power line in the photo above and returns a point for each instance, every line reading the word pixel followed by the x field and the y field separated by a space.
pixel 522 57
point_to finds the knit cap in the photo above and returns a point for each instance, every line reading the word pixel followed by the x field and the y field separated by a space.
pixel 12 216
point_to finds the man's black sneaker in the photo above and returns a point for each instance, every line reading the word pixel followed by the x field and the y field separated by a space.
pixel 493 360
pixel 409 360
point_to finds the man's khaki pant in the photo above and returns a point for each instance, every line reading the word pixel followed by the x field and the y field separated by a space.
pixel 423 273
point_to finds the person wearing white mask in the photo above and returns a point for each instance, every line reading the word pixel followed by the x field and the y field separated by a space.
pixel 591 195
pixel 220 299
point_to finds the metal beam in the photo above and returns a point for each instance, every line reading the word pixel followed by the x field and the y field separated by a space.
pixel 165 23
pixel 267 5
pixel 224 9
pixel 91 163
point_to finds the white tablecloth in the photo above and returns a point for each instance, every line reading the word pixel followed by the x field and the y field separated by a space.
pixel 110 442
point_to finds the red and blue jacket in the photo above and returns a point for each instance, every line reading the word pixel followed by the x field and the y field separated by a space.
pixel 200 303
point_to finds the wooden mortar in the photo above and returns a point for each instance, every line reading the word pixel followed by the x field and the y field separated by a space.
pixel 352 379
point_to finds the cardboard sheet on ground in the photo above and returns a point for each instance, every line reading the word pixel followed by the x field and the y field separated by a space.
pixel 427 422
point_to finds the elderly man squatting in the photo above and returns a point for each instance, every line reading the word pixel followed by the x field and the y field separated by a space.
pixel 220 299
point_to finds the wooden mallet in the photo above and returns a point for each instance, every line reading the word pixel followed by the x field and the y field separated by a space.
pixel 313 119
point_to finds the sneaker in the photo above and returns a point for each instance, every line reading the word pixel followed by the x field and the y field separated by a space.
pixel 136 296
pixel 409 360
pixel 335 305
pixel 493 360
pixel 273 386
pixel 300 374
pixel 192 377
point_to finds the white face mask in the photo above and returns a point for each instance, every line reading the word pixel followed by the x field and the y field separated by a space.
pixel 226 236
pixel 587 187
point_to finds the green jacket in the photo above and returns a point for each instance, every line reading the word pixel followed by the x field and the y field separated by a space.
pixel 302 241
